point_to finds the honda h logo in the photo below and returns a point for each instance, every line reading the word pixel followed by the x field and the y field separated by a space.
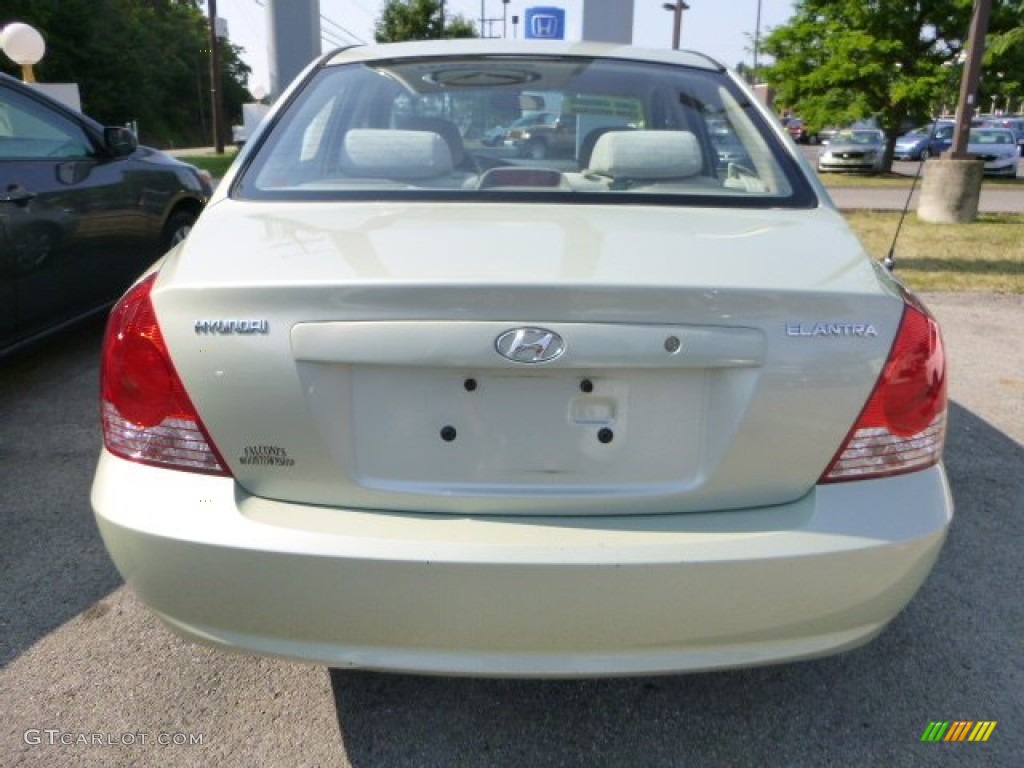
pixel 530 345
pixel 543 26
pixel 544 23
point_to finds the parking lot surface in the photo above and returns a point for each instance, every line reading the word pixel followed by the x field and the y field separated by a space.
pixel 90 678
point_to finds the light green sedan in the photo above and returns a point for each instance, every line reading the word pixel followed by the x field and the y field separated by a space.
pixel 403 401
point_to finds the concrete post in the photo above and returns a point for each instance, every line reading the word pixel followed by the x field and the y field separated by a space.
pixel 950 191
pixel 608 21
pixel 294 28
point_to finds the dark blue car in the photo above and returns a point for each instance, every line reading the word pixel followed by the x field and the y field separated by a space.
pixel 83 210
pixel 927 141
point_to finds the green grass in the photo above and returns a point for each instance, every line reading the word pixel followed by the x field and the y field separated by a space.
pixel 217 165
pixel 986 255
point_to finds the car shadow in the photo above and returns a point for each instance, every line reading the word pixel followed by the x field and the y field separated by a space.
pixel 952 654
pixel 54 565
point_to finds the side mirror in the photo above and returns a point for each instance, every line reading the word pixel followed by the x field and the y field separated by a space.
pixel 119 141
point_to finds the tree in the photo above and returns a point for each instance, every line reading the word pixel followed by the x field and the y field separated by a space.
pixel 1014 34
pixel 1004 61
pixel 141 60
pixel 419 20
pixel 837 61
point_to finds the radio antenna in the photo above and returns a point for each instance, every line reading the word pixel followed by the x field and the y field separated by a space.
pixel 889 262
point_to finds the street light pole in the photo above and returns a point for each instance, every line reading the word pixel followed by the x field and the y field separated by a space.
pixel 23 45
pixel 677 9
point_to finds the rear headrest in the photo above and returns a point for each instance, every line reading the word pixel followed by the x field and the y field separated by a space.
pixel 646 155
pixel 374 153
pixel 446 128
pixel 590 141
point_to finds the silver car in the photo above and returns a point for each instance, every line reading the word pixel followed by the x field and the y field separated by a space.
pixel 856 149
pixel 397 403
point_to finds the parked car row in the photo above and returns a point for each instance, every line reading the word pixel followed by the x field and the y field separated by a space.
pixel 83 210
pixel 995 142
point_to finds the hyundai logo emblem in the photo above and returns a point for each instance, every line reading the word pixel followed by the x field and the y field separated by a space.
pixel 530 345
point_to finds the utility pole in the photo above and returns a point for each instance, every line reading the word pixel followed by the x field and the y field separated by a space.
pixel 757 39
pixel 971 76
pixel 216 97
pixel 487 23
pixel 951 188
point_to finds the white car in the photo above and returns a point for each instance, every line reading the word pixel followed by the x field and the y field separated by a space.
pixel 400 404
pixel 997 147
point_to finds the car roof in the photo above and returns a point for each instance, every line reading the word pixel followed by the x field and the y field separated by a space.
pixel 492 47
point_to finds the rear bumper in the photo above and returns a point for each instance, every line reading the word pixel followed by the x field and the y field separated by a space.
pixel 521 596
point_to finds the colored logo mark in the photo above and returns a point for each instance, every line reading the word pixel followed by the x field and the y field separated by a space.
pixel 958 730
pixel 545 23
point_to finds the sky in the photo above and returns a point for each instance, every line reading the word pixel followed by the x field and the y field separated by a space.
pixel 723 29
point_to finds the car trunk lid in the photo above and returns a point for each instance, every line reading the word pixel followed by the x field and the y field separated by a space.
pixel 365 355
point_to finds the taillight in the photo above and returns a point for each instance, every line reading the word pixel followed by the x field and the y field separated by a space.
pixel 146 413
pixel 903 426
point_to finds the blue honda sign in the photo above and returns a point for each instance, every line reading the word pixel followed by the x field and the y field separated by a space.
pixel 545 23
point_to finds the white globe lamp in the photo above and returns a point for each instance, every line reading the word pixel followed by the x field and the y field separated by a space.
pixel 23 45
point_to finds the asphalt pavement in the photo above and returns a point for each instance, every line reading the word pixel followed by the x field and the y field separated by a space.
pixel 91 678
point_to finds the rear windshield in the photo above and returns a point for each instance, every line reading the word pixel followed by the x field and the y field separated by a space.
pixel 524 128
